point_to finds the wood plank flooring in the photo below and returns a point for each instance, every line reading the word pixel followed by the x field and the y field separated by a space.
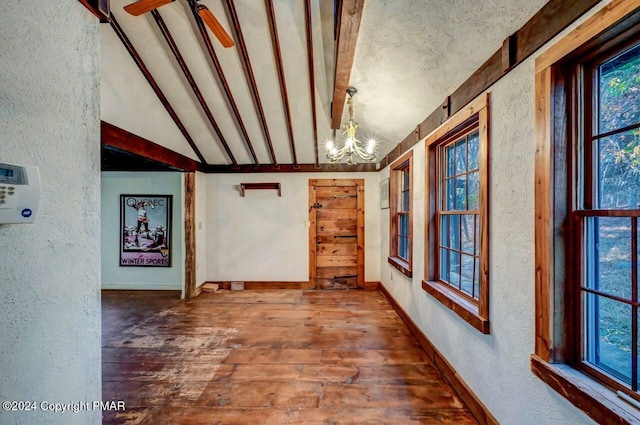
pixel 267 357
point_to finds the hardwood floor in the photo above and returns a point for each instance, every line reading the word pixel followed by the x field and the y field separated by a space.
pixel 268 357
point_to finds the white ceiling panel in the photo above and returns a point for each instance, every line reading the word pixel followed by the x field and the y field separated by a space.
pixel 290 18
pixel 229 59
pixel 255 27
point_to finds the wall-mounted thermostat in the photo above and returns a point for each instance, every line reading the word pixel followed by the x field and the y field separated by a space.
pixel 19 193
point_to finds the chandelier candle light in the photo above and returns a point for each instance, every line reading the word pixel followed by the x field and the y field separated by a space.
pixel 351 144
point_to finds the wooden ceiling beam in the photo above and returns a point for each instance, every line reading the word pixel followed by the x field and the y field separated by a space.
pixel 312 81
pixel 154 85
pixel 194 86
pixel 236 29
pixel 350 15
pixel 222 79
pixel 275 42
pixel 143 6
pixel 122 140
pixel 292 168
pixel 117 138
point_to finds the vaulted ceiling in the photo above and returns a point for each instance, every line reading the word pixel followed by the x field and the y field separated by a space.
pixel 409 55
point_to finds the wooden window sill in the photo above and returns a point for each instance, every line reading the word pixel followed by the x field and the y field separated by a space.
pixel 402 265
pixel 464 308
pixel 588 395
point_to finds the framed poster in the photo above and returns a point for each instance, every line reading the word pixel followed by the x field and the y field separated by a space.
pixel 145 230
pixel 384 194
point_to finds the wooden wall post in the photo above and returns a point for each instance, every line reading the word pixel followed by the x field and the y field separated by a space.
pixel 190 235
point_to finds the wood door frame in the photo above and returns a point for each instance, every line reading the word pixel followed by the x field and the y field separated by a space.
pixel 359 185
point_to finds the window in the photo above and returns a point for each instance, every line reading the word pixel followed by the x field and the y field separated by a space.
pixel 458 212
pixel 587 216
pixel 457 216
pixel 401 184
pixel 607 194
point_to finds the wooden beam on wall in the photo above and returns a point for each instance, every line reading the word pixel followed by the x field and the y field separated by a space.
pixel 190 235
pixel 154 85
pixel 292 168
pixel 236 29
pixel 350 15
pixel 120 139
pixel 509 47
pixel 219 72
pixel 541 28
pixel 275 42
pixel 192 82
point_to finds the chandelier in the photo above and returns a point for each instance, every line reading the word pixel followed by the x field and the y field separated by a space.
pixel 352 146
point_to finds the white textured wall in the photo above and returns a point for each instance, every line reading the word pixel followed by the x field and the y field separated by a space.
pixel 115 184
pixel 201 228
pixel 50 270
pixel 262 237
pixel 496 366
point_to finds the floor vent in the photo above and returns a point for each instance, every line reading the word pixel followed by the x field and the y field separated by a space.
pixel 237 286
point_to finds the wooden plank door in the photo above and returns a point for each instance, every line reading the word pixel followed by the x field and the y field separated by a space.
pixel 336 234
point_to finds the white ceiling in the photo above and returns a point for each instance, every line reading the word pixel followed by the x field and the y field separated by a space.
pixel 410 55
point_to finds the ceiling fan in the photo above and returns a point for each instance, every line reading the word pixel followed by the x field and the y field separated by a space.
pixel 143 6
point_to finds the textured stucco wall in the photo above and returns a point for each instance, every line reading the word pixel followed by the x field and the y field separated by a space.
pixel 496 366
pixel 263 237
pixel 115 184
pixel 50 270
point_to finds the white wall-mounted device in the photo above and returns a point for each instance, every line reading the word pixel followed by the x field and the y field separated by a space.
pixel 19 193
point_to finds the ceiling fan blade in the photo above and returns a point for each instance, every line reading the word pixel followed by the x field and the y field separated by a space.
pixel 143 6
pixel 215 27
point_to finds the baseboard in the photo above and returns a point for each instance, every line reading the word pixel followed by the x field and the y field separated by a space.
pixel 140 287
pixel 470 399
pixel 372 286
pixel 253 285
pixel 172 292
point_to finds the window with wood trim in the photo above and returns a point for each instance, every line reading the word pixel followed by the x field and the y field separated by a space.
pixel 458 211
pixel 401 235
pixel 606 213
pixel 587 218
pixel 457 217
